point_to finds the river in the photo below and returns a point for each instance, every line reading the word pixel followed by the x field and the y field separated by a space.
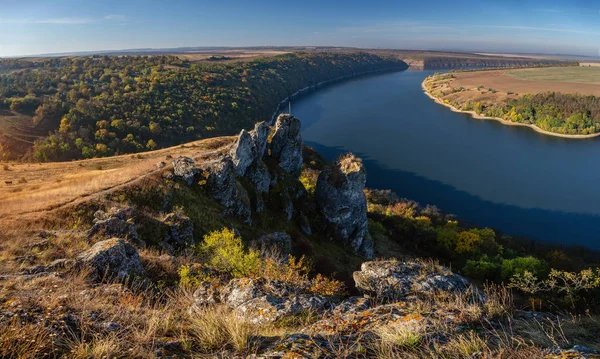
pixel 509 178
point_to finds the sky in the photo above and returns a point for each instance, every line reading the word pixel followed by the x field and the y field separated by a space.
pixel 29 27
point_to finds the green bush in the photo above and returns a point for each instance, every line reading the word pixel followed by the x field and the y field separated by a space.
pixel 223 251
pixel 481 269
pixel 520 265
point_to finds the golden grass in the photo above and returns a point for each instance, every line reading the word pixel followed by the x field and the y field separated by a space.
pixel 51 185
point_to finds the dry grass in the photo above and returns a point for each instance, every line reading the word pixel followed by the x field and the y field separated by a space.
pixel 47 186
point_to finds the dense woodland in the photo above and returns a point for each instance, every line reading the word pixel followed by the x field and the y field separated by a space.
pixel 571 114
pixel 103 106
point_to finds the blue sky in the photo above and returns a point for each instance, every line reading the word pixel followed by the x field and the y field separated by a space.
pixel 34 27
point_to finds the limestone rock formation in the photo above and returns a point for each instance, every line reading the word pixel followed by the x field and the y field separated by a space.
pixel 341 200
pixel 286 144
pixel 243 153
pixel 185 168
pixel 392 280
pixel 224 187
pixel 181 230
pixel 260 301
pixel 117 222
pixel 260 177
pixel 112 258
pixel 260 138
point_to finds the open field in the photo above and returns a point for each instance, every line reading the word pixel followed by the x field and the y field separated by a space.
pixel 532 81
pixel 475 92
pixel 30 189
pixel 559 74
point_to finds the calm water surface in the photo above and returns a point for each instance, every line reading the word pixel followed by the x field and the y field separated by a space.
pixel 509 178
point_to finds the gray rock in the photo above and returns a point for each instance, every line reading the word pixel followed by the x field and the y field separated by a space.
pixel 260 177
pixel 268 308
pixel 260 301
pixel 260 138
pixel 224 187
pixel 185 168
pixel 117 222
pixel 289 210
pixel 341 200
pixel 240 291
pixel 304 224
pixel 181 230
pixel 276 245
pixel 243 153
pixel 392 280
pixel 206 294
pixel 112 258
pixel 286 144
pixel 161 164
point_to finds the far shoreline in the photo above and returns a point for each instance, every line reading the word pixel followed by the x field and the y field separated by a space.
pixel 506 122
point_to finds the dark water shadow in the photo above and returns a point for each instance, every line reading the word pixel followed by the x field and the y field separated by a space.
pixel 544 225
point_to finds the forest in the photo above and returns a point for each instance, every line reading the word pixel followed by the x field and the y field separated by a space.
pixel 101 106
pixel 571 114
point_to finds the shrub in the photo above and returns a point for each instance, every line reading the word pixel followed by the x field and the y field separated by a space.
pixel 309 180
pixel 224 252
pixel 481 269
pixel 520 265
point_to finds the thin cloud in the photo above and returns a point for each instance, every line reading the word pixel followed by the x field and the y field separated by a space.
pixel 55 21
pixel 116 17
pixel 66 20
pixel 549 29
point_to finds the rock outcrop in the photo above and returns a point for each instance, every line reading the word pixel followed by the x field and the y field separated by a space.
pixel 117 222
pixel 185 169
pixel 341 200
pixel 260 301
pixel 181 230
pixel 392 280
pixel 260 138
pixel 286 144
pixel 260 177
pixel 112 258
pixel 243 153
pixel 224 187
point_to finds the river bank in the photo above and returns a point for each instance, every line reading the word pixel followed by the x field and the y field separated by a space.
pixel 503 121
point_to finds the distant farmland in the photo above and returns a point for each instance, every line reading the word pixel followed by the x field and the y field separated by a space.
pixel 582 80
pixel 559 74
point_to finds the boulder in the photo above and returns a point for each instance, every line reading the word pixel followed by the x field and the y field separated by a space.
pixel 276 245
pixel 185 169
pixel 260 138
pixel 392 280
pixel 223 186
pixel 117 222
pixel 286 144
pixel 260 301
pixel 181 230
pixel 243 153
pixel 112 258
pixel 340 198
